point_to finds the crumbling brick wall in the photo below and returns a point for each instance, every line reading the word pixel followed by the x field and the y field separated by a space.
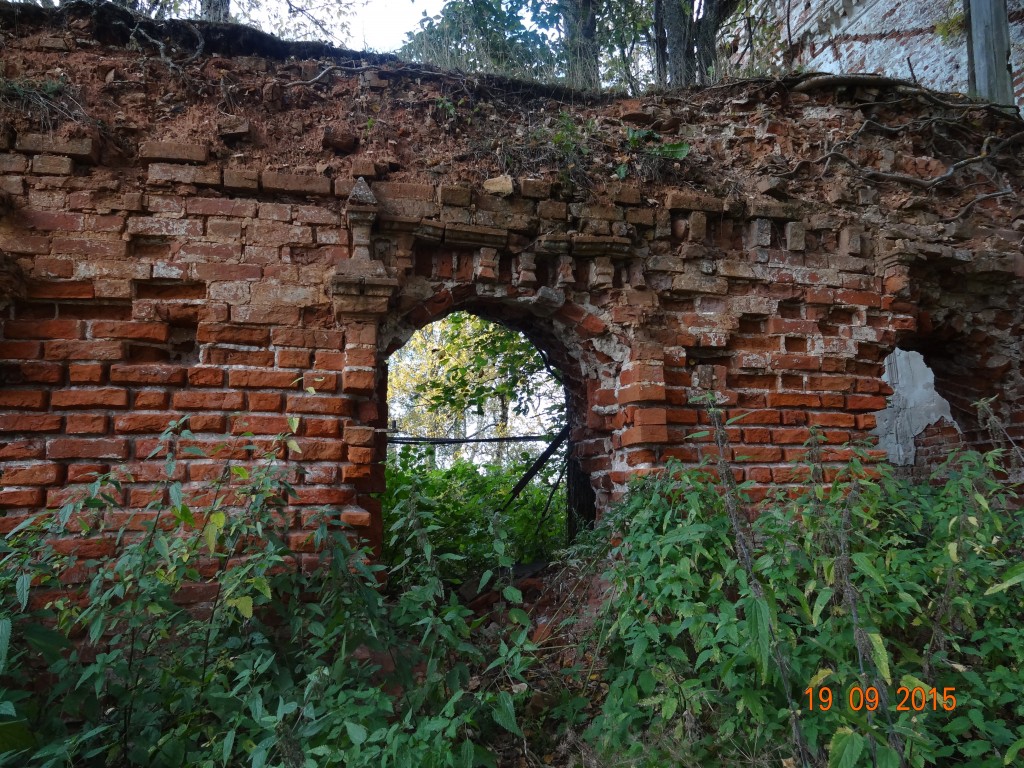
pixel 213 234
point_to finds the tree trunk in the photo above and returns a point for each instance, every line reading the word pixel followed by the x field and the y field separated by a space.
pixel 679 41
pixel 988 41
pixel 692 42
pixel 580 20
pixel 215 10
pixel 660 44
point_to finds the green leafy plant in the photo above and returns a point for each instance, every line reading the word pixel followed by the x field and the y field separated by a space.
pixel 465 498
pixel 723 635
pixel 216 632
pixel 647 152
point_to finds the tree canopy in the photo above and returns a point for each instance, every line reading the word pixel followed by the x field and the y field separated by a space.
pixel 466 377
pixel 585 43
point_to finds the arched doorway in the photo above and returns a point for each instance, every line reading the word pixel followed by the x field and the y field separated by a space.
pixel 490 395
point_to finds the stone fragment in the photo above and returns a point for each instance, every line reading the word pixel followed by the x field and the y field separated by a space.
pixel 760 233
pixel 361 194
pixel 795 236
pixel 499 185
pixel 698 226
pixel 232 128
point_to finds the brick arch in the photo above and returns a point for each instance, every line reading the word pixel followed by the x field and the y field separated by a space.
pixel 569 334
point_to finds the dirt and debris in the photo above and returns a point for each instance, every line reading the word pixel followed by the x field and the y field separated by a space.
pixel 311 108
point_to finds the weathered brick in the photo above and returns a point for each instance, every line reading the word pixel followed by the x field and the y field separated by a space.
pixel 233 334
pixel 153 423
pixel 147 374
pixel 208 400
pixel 184 174
pixel 43 329
pixel 94 248
pixel 273 181
pixel 53 220
pixel 206 377
pixel 113 329
pixel 34 244
pixel 151 225
pixel 10 163
pixel 459 196
pixel 86 373
pixel 323 404
pixel 37 473
pixel 535 188
pixel 85 424
pixel 271 379
pixel 220 206
pixel 273 233
pixel 21 497
pixel 216 271
pixel 41 143
pixel 242 178
pixel 52 165
pixel 83 350
pixel 174 150
pixel 87 448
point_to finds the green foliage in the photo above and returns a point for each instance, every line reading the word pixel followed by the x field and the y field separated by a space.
pixel 288 662
pixel 46 103
pixel 464 376
pixel 570 142
pixel 647 153
pixel 464 500
pixel 953 23
pixel 717 627
pixel 589 45
pixel 488 36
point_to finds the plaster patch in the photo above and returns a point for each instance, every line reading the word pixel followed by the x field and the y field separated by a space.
pixel 913 406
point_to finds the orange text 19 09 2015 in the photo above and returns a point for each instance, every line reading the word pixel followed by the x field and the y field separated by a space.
pixel 858 698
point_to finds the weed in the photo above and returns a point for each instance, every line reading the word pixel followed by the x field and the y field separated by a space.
pixel 813 626
pixel 280 665
pixel 647 156
pixel 46 103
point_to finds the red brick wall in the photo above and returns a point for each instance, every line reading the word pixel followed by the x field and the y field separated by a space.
pixel 163 264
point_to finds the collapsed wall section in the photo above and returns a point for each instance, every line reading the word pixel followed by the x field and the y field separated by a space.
pixel 245 240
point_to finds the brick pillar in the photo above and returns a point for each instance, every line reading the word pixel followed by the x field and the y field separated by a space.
pixel 362 289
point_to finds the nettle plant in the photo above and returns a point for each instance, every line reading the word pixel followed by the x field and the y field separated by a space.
pixel 870 621
pixel 287 662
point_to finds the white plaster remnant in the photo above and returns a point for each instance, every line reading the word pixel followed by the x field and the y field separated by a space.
pixel 913 406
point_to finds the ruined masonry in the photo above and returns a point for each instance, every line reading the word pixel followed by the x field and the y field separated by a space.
pixel 213 234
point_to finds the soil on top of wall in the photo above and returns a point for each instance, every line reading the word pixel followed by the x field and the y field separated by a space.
pixel 96 70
